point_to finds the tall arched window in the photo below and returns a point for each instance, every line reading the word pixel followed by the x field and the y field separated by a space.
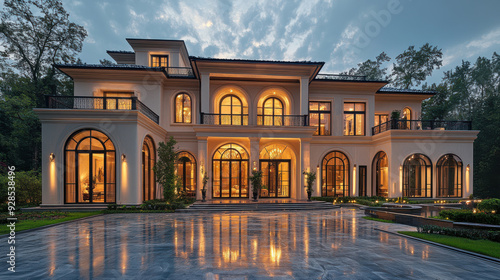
pixel 449 176
pixel 185 168
pixel 271 112
pixel 148 175
pixel 232 111
pixel 89 168
pixel 335 174
pixel 380 175
pixel 182 108
pixel 230 172
pixel 417 176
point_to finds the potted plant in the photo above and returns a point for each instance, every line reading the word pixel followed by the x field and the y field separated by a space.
pixel 395 116
pixel 256 180
pixel 204 189
pixel 310 178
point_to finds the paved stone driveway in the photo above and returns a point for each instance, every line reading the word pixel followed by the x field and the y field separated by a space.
pixel 324 244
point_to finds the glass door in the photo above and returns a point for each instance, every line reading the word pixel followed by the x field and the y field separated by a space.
pixel 275 178
pixel 91 177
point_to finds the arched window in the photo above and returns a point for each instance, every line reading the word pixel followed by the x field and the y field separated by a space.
pixel 185 168
pixel 232 111
pixel 89 168
pixel 230 172
pixel 275 164
pixel 335 174
pixel 182 108
pixel 271 112
pixel 148 175
pixel 380 174
pixel 407 117
pixel 417 176
pixel 449 176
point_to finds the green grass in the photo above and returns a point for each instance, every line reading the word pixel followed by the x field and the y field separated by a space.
pixel 30 224
pixel 485 247
pixel 378 220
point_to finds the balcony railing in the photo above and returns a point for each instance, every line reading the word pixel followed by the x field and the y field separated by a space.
pixel 284 120
pixel 179 72
pixel 100 103
pixel 224 119
pixel 422 125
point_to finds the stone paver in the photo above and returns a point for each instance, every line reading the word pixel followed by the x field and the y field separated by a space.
pixel 323 244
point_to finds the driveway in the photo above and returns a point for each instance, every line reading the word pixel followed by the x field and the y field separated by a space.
pixel 323 244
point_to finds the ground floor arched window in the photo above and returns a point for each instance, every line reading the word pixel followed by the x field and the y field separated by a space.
pixel 185 168
pixel 449 176
pixel 230 172
pixel 417 176
pixel 335 174
pixel 89 168
pixel 380 174
pixel 275 164
pixel 148 174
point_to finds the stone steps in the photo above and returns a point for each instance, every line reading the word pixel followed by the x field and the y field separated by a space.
pixel 221 207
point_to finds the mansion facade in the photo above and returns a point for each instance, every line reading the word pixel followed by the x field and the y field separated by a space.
pixel 232 116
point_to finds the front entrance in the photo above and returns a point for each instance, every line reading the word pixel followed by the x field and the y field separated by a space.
pixel 275 178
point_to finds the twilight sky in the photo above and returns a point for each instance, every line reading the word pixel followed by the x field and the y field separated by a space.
pixel 340 32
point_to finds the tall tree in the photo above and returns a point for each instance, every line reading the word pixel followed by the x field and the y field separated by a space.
pixel 413 66
pixel 372 69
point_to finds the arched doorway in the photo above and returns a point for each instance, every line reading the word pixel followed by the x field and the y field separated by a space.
pixel 148 174
pixel 271 113
pixel 275 164
pixel 417 176
pixel 185 168
pixel 230 172
pixel 449 176
pixel 89 168
pixel 380 175
pixel 335 174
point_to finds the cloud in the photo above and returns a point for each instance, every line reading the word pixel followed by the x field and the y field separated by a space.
pixel 473 47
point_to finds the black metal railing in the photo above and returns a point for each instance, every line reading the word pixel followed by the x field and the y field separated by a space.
pixel 224 119
pixel 179 72
pixel 283 120
pixel 422 125
pixel 100 103
pixel 339 77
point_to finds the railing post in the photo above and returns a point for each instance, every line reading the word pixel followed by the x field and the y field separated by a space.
pixel 134 103
pixel 432 124
pixel 47 101
pixel 201 117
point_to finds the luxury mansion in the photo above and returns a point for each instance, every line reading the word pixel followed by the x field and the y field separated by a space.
pixel 232 116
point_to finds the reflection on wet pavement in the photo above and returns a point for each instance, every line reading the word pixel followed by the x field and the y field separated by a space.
pixel 319 244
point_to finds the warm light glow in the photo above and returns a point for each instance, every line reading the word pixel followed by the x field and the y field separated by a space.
pixel 53 183
pixel 52 156
pixel 401 180
pixel 124 157
pixel 124 179
pixel 254 165
pixel 230 90
pixel 467 178
pixel 354 180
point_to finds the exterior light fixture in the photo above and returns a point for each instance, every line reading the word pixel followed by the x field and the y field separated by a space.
pixel 124 157
pixel 468 167
pixel 52 157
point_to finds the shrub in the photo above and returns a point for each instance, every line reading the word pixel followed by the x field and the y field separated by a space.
pixel 490 205
pixel 470 217
pixel 155 204
pixel 28 188
pixel 112 206
pixel 466 233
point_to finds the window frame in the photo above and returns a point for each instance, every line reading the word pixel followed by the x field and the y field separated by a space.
pixel 379 117
pixel 159 56
pixel 355 113
pixel 321 112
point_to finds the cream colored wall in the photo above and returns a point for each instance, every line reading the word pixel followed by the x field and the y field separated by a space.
pixel 387 106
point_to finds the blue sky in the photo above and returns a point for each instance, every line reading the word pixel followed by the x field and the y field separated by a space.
pixel 340 32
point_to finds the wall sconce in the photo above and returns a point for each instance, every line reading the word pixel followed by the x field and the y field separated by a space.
pixel 124 157
pixel 52 157
pixel 468 167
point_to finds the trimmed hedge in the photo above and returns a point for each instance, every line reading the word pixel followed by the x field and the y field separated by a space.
pixel 470 217
pixel 489 205
pixel 474 234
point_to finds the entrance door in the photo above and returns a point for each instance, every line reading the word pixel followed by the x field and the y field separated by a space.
pixel 275 178
pixel 91 177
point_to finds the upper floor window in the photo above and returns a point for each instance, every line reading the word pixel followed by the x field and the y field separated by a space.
pixel 381 118
pixel 271 113
pixel 119 100
pixel 320 116
pixel 232 111
pixel 159 60
pixel 354 118
pixel 182 108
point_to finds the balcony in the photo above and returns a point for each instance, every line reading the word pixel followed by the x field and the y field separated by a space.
pixel 100 103
pixel 283 120
pixel 421 125
pixel 179 72
pixel 224 119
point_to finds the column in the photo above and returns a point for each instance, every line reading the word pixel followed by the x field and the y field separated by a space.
pixel 203 164
pixel 304 95
pixel 338 116
pixel 254 160
pixel 305 152
pixel 205 93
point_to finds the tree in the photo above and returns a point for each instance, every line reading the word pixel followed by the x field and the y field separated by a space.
pixel 437 107
pixel 371 69
pixel 165 169
pixel 412 67
pixel 106 62
pixel 36 34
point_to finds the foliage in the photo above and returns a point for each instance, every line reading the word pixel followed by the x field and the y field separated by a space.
pixel 165 169
pixel 205 180
pixel 310 178
pixel 256 180
pixel 474 234
pixel 372 69
pixel 158 204
pixel 490 205
pixel 378 219
pixel 469 216
pixel 28 188
pixel 112 206
pixel 39 219
pixel 413 66
pixel 395 115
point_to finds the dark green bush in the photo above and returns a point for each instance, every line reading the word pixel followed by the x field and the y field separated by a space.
pixel 155 204
pixel 489 205
pixel 28 188
pixel 465 233
pixel 468 216
pixel 112 206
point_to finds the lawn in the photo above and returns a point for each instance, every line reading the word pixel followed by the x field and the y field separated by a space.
pixel 377 219
pixel 32 220
pixel 485 247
